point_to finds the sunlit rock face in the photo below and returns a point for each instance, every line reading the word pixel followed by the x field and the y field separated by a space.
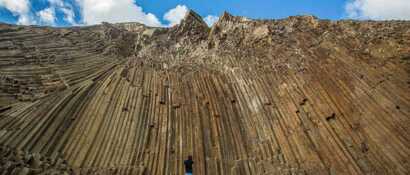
pixel 298 95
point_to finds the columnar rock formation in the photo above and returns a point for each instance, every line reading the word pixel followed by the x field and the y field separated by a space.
pixel 292 96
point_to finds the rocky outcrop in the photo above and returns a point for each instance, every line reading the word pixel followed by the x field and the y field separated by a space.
pixel 191 30
pixel 192 25
pixel 21 163
pixel 299 95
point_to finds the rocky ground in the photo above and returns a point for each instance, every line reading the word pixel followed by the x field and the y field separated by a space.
pixel 298 95
pixel 22 163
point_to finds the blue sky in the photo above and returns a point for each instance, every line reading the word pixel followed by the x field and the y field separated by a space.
pixel 330 9
pixel 170 12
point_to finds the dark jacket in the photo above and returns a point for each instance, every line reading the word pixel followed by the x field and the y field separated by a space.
pixel 188 165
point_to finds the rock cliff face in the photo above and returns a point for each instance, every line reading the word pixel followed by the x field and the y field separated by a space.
pixel 292 96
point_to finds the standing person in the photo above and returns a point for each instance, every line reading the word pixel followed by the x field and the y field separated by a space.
pixel 188 165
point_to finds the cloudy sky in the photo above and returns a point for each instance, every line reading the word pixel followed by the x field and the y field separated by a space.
pixel 167 13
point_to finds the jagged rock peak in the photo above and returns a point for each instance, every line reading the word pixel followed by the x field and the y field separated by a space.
pixel 191 17
pixel 304 20
pixel 132 26
pixel 109 31
pixel 226 17
pixel 307 18
pixel 192 25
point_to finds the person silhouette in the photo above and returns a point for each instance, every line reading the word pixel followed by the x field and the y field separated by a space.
pixel 188 165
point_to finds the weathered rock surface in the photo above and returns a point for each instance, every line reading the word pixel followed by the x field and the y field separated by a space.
pixel 293 96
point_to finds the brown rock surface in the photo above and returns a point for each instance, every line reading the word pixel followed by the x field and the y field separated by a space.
pixel 292 96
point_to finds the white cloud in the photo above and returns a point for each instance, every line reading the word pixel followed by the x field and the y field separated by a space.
pixel 94 12
pixel 47 15
pixel 59 3
pixel 65 8
pixel 19 8
pixel 16 6
pixel 210 19
pixel 114 11
pixel 379 9
pixel 25 20
pixel 175 15
pixel 69 15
